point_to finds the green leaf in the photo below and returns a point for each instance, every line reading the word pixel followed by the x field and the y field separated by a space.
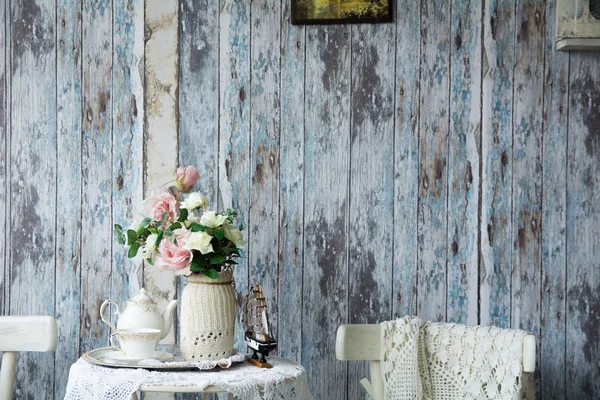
pixel 198 228
pixel 217 259
pixel 230 262
pixel 149 261
pixel 159 238
pixel 118 228
pixel 183 214
pixel 146 222
pixel 131 236
pixel 197 264
pixel 218 233
pixel 174 226
pixel 133 250
pixel 153 230
pixel 211 273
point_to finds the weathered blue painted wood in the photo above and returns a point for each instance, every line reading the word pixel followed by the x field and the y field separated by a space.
pixel 406 156
pixel 199 92
pixel 291 187
pixel 127 136
pixel 234 123
pixel 96 166
pixel 68 196
pixel 527 170
pixel 4 140
pixel 33 180
pixel 327 148
pixel 554 213
pixel 496 163
pixel 433 161
pixel 371 177
pixel 463 162
pixel 583 228
pixel 263 216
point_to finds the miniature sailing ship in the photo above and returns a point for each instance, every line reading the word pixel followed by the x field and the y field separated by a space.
pixel 255 321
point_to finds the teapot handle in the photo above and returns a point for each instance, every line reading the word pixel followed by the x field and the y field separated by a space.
pixel 102 307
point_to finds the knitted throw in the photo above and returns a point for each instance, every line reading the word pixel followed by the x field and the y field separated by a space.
pixel 431 361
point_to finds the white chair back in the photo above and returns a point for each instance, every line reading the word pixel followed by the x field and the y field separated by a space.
pixel 22 333
pixel 363 342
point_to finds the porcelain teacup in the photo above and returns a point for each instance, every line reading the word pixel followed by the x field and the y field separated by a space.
pixel 136 343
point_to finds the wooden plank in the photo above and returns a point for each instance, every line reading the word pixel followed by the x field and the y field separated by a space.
pixel 161 80
pixel 463 162
pixel 199 92
pixel 406 157
pixel 68 175
pixel 33 180
pixel 583 228
pixel 263 216
pixel 127 138
pixel 496 163
pixel 291 187
pixel 4 140
pixel 527 173
pixel 327 134
pixel 433 161
pixel 96 242
pixel 234 124
pixel 371 178
pixel 554 208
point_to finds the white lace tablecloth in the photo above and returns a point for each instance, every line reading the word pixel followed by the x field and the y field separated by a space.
pixel 286 380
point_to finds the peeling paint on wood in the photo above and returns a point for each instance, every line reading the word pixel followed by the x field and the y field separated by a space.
pixel 263 215
pixel 554 213
pixel 496 153
pixel 371 200
pixel 583 228
pixel 32 189
pixel 4 168
pixel 327 144
pixel 291 187
pixel 433 161
pixel 96 171
pixel 68 177
pixel 527 171
pixel 161 156
pixel 463 162
pixel 234 123
pixel 406 154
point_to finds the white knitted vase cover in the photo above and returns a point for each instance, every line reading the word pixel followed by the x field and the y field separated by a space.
pixel 208 311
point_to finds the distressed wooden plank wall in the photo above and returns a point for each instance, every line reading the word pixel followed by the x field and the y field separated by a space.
pixel 445 164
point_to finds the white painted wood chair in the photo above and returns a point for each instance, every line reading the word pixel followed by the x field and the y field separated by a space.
pixel 363 342
pixel 22 333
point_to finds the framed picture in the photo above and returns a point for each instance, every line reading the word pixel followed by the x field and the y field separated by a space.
pixel 306 12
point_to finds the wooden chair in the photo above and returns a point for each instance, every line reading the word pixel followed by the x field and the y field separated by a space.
pixel 27 333
pixel 363 342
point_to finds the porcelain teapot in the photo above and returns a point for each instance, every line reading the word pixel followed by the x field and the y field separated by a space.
pixel 141 312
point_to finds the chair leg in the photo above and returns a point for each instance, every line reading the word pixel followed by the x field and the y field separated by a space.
pixel 7 374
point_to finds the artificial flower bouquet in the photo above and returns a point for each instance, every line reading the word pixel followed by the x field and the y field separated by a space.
pixel 178 233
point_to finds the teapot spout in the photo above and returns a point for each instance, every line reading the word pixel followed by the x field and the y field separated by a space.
pixel 167 318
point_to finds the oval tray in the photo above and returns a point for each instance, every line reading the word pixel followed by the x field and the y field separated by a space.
pixel 101 356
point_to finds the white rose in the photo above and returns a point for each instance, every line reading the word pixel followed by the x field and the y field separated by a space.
pixel 232 233
pixel 194 200
pixel 150 246
pixel 200 241
pixel 191 219
pixel 212 220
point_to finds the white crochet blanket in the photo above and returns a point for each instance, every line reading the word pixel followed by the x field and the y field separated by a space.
pixel 440 361
pixel 286 380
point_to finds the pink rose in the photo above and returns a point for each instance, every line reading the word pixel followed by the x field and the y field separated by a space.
pixel 174 257
pixel 186 178
pixel 159 203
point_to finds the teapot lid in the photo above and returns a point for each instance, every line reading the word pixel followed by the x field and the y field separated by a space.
pixel 142 298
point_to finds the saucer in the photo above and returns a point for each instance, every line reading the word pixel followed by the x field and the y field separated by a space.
pixel 120 357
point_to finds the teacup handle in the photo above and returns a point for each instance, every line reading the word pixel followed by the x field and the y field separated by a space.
pixel 107 322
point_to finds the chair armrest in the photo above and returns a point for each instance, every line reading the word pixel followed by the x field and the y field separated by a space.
pixel 358 342
pixel 28 333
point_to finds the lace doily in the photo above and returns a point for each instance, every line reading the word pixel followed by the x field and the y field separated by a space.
pixel 425 360
pixel 286 380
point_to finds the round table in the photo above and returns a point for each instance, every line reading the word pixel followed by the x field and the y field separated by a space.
pixel 286 379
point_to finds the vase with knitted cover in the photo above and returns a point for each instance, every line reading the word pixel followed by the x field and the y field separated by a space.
pixel 208 312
